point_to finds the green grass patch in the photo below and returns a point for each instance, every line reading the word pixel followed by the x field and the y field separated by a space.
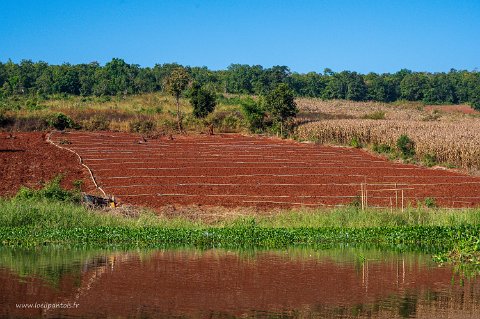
pixel 28 222
pixel 53 217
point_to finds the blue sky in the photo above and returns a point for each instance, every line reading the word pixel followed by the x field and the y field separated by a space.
pixel 363 36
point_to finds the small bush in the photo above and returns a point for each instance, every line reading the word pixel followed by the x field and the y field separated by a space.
pixel 168 124
pixel 202 101
pixel 406 146
pixel 379 115
pixel 354 142
pixel 236 100
pixel 254 114
pixel 382 148
pixel 226 121
pixel 32 104
pixel 151 110
pixel 77 184
pixel 60 121
pixel 430 160
pixel 51 191
pixel 430 202
pixel 4 119
pixel 96 123
pixel 103 99
pixel 142 126
pixel 356 202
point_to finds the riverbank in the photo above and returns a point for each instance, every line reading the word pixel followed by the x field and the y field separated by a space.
pixel 33 222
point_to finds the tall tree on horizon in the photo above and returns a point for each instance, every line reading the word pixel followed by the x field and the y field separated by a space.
pixel 175 83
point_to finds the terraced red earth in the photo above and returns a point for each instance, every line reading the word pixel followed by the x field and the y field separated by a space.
pixel 26 159
pixel 234 170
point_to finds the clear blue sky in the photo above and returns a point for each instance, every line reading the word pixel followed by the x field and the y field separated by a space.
pixel 363 36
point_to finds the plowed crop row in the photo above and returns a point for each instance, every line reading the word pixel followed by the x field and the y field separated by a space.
pixel 235 170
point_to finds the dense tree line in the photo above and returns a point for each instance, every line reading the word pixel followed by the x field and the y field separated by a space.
pixel 120 78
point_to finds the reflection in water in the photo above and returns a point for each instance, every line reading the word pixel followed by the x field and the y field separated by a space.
pixel 215 283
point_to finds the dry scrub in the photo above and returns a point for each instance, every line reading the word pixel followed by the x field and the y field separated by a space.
pixel 400 110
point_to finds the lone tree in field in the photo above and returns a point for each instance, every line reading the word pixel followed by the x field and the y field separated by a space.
pixel 202 101
pixel 175 83
pixel 280 104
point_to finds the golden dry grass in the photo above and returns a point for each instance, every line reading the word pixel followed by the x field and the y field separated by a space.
pixel 453 142
pixel 451 137
pixel 400 110
pixel 117 113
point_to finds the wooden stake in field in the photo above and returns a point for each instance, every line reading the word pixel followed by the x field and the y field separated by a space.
pixel 396 196
pixel 366 196
pixel 362 196
pixel 402 200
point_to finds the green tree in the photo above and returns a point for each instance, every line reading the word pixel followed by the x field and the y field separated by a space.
pixel 65 79
pixel 144 81
pixel 3 74
pixel 440 89
pixel 336 85
pixel 86 77
pixel 413 86
pixel 356 88
pixel 44 83
pixel 345 85
pixel 376 88
pixel 202 101
pixel 475 98
pixel 280 104
pixel 175 83
pixel 254 114
pixel 241 78
pixel 162 71
pixel 119 76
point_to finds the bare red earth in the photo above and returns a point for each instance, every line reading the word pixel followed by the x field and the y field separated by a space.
pixel 27 159
pixel 235 170
pixel 465 109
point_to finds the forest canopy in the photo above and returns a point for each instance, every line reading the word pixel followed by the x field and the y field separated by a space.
pixel 120 78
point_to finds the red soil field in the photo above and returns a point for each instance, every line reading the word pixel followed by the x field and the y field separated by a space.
pixel 465 109
pixel 234 170
pixel 27 159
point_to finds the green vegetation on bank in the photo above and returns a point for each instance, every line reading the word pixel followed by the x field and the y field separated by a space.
pixel 54 207
pixel 34 222
pixel 42 214
pixel 53 217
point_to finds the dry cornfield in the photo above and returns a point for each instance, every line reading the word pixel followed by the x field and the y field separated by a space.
pixel 401 111
pixel 452 142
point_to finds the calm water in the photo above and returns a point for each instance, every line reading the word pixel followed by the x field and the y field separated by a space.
pixel 298 283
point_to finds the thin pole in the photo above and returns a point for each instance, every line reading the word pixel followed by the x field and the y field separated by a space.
pixel 362 196
pixel 366 196
pixel 402 200
pixel 396 196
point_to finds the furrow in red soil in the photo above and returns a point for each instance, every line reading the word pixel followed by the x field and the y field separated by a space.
pixel 235 170
pixel 26 159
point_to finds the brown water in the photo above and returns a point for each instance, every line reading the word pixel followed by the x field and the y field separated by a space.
pixel 219 284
